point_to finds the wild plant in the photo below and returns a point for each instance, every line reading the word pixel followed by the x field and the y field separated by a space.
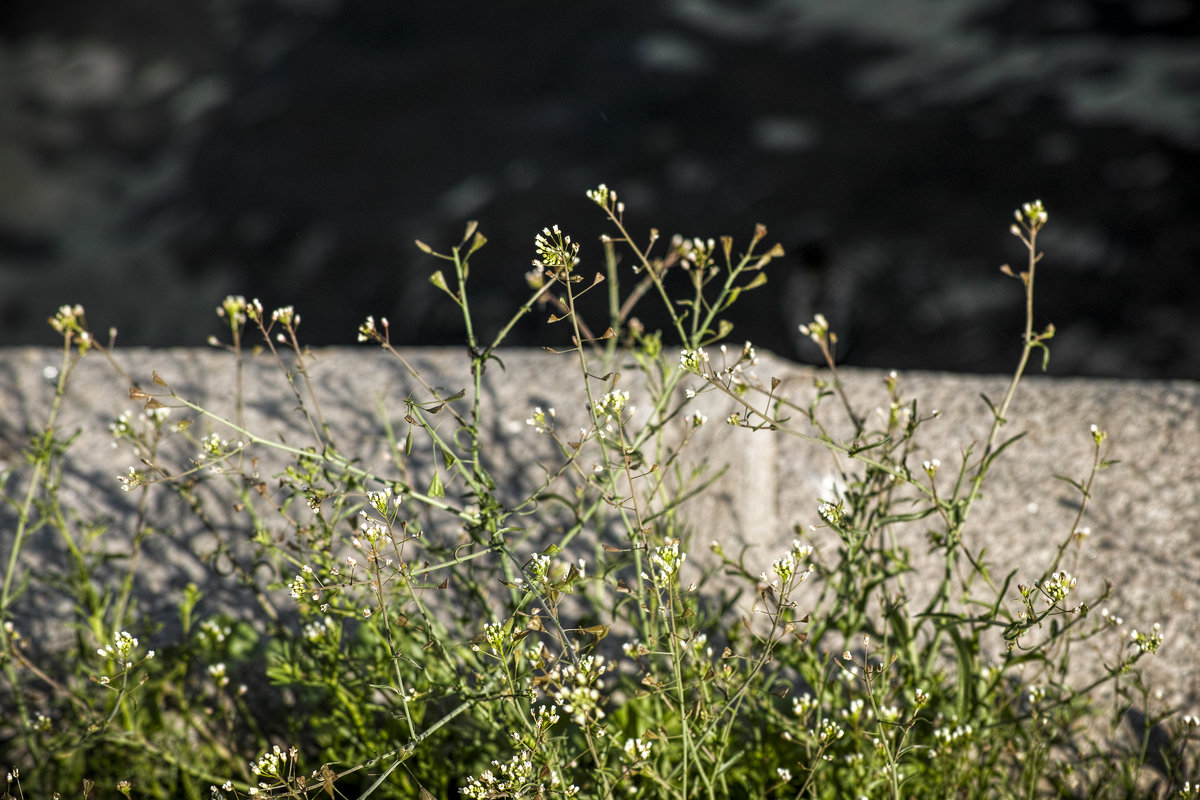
pixel 446 622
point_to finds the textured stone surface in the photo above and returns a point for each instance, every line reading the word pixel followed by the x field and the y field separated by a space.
pixel 1144 519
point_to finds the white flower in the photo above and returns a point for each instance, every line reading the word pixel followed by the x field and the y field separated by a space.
pixel 611 404
pixel 541 421
pixel 816 330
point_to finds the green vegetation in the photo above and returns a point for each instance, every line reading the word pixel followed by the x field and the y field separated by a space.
pixel 421 633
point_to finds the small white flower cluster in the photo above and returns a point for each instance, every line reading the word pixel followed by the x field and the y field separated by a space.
pixel 132 479
pixel 544 717
pixel 832 514
pixel 1030 217
pixel 70 320
pixel 889 713
pixel 539 568
pixel 665 563
pixel 213 446
pixel 697 253
pixel 611 405
pixel 384 502
pixel 817 330
pixel 950 736
pixel 856 711
pixel 695 420
pixel 497 637
pixel 607 199
pixel 121 650
pixel 124 426
pixel 804 705
pixel 213 633
pixel 515 776
pixel 831 732
pixel 286 316
pixel 370 529
pixel 368 331
pixel 237 310
pixel 577 693
pixel 637 750
pixel 694 360
pixel 218 673
pixel 555 250
pixel 732 373
pixel 541 421
pixel 318 629
pixel 1147 642
pixel 784 568
pixel 699 362
pixel 300 589
pixel 1058 585
pixel 274 763
pixel 1032 214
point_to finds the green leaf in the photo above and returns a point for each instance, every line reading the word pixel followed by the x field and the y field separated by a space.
pixel 1073 482
pixel 991 406
pixel 1045 354
pixel 191 596
pixel 987 463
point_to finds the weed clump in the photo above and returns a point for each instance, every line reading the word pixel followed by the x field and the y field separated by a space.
pixel 417 629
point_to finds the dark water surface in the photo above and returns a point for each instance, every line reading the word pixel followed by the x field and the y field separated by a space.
pixel 159 156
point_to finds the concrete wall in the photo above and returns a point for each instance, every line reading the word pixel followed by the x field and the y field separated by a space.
pixel 1144 518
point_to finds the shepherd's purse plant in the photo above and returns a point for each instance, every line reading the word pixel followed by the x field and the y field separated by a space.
pixel 419 629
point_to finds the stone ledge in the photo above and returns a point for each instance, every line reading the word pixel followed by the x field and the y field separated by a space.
pixel 1144 519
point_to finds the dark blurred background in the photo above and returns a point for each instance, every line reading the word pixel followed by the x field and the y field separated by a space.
pixel 156 156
